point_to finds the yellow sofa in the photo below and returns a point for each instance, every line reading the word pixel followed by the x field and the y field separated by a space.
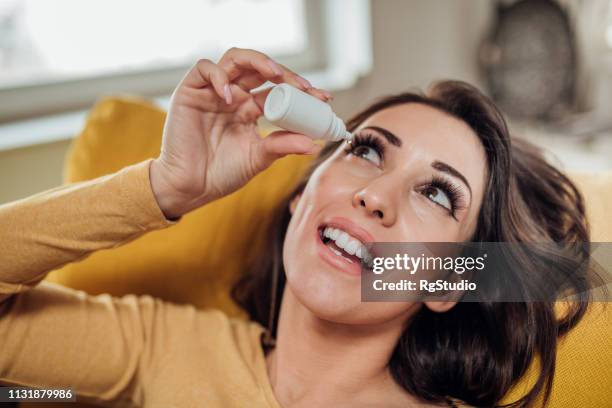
pixel 199 259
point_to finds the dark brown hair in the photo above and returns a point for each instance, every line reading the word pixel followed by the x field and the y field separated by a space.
pixel 475 352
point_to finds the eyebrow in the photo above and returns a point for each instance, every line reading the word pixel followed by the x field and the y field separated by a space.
pixel 448 169
pixel 391 138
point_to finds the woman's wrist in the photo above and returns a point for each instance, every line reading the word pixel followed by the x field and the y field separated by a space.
pixel 172 204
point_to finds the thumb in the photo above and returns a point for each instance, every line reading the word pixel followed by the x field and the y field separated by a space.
pixel 281 143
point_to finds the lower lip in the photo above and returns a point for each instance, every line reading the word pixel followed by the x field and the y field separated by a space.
pixel 337 261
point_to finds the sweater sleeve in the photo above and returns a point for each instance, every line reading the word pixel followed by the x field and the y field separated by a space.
pixel 65 224
pixel 55 336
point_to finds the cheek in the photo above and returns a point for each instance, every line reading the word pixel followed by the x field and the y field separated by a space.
pixel 330 189
pixel 326 292
pixel 421 221
pixel 321 191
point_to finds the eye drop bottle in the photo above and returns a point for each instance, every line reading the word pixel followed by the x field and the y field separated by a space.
pixel 291 109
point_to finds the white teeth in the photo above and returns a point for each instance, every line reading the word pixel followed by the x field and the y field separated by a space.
pixel 352 246
pixel 348 243
pixel 342 240
pixel 335 233
pixel 335 251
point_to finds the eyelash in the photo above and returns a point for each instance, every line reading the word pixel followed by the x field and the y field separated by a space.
pixel 454 193
pixel 367 140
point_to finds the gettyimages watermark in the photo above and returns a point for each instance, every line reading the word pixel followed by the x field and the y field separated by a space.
pixel 486 272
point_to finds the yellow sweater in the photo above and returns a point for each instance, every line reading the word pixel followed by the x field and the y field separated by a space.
pixel 132 350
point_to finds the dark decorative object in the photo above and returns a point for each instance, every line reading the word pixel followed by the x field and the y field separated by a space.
pixel 530 61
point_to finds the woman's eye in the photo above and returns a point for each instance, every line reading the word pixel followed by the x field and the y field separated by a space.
pixel 368 153
pixel 438 196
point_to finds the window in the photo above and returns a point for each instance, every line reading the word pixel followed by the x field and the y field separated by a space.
pixel 46 41
pixel 62 55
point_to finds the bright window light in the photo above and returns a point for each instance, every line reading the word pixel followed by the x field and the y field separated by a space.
pixel 44 41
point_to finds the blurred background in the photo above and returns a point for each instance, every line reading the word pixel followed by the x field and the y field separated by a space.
pixel 547 63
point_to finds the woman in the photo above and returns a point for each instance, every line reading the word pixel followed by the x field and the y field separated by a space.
pixel 421 169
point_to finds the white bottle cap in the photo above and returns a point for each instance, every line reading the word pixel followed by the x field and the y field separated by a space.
pixel 277 104
pixel 292 109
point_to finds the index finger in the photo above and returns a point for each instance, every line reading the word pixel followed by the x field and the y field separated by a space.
pixel 237 60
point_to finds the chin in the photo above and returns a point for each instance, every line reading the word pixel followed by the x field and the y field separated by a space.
pixel 328 295
pixel 324 292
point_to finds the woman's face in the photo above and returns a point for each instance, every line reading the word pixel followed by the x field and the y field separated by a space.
pixel 412 174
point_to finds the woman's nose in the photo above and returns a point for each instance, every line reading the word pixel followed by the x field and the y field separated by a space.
pixel 375 204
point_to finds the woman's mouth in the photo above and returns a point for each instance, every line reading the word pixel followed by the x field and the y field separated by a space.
pixel 342 249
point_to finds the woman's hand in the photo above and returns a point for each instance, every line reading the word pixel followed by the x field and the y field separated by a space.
pixel 210 143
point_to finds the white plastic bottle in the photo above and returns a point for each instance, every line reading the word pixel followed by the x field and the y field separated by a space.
pixel 291 109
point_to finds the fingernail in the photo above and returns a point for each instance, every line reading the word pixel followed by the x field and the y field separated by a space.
pixel 327 94
pixel 277 70
pixel 304 82
pixel 228 94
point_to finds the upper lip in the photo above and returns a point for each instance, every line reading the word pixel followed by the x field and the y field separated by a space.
pixel 349 227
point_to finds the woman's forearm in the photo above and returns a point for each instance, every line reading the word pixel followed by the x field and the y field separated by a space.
pixel 45 231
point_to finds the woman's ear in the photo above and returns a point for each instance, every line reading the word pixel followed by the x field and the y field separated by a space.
pixel 440 307
pixel 294 202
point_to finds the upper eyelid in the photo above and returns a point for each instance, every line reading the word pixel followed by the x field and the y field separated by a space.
pixel 362 138
pixel 449 180
pixel 365 132
pixel 389 137
pixel 368 134
pixel 465 196
pixel 449 172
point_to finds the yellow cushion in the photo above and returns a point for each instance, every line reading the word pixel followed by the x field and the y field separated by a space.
pixel 198 260
pixel 597 191
pixel 582 377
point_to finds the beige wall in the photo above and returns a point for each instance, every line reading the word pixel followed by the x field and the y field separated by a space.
pixel 32 169
pixel 415 42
